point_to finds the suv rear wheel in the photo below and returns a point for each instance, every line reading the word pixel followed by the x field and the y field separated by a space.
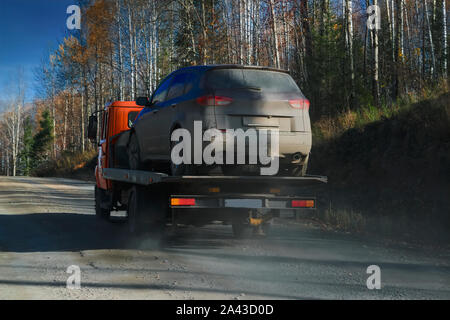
pixel 179 169
pixel 134 158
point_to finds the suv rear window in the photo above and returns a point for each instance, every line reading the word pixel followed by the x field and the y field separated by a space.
pixel 267 81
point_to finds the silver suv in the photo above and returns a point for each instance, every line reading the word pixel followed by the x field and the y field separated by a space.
pixel 224 97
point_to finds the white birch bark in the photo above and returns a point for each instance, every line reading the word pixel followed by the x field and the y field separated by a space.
pixel 376 62
pixel 444 34
pixel 131 53
pixel 275 34
pixel 350 45
pixel 120 53
pixel 430 36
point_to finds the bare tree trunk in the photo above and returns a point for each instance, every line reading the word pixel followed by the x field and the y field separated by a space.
pixel 256 33
pixel 306 36
pixel 444 36
pixel 349 16
pixel 401 32
pixel 53 93
pixel 391 18
pixel 16 141
pixel 121 71
pixel 241 36
pixel 8 169
pixel 188 7
pixel 376 87
pixel 430 36
pixel 397 68
pixel 227 29
pixel 20 104
pixel 66 107
pixel 14 145
pixel 131 51
pixel 204 35
pixel 83 146
pixel 366 40
pixel 275 34
pixel 286 35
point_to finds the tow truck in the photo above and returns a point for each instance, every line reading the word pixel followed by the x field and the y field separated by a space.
pixel 153 200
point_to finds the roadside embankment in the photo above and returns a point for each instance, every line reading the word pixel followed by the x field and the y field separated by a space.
pixel 390 176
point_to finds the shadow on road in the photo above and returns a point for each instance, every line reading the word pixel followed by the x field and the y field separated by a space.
pixel 42 232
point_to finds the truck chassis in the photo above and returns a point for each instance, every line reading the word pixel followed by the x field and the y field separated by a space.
pixel 248 203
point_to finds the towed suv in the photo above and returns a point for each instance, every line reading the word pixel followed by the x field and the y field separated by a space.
pixel 223 97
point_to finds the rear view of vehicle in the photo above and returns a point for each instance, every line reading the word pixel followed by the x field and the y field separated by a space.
pixel 256 98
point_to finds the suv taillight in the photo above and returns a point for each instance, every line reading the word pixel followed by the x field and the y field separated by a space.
pixel 300 104
pixel 211 101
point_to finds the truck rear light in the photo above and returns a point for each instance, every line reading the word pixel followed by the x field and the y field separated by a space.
pixel 211 101
pixel 300 104
pixel 302 204
pixel 182 202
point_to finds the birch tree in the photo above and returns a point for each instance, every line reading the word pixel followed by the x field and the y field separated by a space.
pixel 444 37
pixel 349 36
pixel 430 38
pixel 376 86
pixel 275 34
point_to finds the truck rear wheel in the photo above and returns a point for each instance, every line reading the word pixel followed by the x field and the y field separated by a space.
pixel 100 212
pixel 241 228
pixel 145 212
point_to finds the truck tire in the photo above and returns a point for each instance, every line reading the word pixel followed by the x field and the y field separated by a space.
pixel 100 212
pixel 134 157
pixel 241 228
pixel 135 211
pixel 264 229
pixel 146 212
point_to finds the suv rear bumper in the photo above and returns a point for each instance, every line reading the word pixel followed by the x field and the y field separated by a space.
pixel 289 144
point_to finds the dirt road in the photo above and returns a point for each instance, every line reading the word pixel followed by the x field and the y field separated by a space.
pixel 47 225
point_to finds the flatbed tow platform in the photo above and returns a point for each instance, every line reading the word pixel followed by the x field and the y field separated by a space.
pixel 246 202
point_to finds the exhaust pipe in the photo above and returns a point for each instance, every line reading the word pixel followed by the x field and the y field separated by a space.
pixel 297 157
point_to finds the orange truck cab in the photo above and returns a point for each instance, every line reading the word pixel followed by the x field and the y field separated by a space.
pixel 115 118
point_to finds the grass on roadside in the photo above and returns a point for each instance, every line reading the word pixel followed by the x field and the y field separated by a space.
pixel 69 165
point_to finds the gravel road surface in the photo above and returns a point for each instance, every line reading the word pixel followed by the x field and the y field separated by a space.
pixel 47 225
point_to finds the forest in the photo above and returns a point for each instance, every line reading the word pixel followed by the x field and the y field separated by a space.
pixel 344 64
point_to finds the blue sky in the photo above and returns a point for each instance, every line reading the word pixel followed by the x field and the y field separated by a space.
pixel 29 30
